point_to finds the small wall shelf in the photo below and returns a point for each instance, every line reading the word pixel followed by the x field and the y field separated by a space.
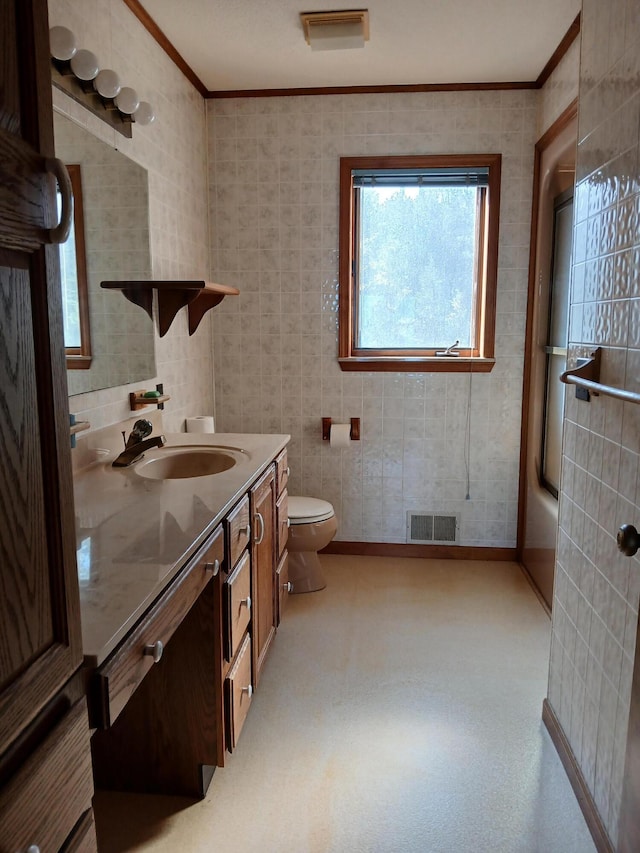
pixel 80 426
pixel 199 296
pixel 138 401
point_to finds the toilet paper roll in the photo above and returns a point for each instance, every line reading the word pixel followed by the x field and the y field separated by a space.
pixel 201 423
pixel 340 436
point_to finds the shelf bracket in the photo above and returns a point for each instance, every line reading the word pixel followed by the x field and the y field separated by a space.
pixel 199 296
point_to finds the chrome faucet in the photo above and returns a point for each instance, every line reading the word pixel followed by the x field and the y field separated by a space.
pixel 137 443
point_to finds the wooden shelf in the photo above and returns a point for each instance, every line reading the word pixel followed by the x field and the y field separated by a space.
pixel 199 296
pixel 80 426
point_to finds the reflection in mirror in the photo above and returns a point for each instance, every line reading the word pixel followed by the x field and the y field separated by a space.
pixel 116 225
pixel 73 275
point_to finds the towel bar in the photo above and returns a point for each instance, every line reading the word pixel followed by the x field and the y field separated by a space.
pixel 586 376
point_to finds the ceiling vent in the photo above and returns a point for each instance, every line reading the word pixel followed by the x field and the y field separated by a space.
pixel 336 30
pixel 432 529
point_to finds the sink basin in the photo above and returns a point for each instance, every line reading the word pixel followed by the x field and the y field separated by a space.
pixel 178 463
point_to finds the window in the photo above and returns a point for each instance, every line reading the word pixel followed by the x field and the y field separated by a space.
pixel 418 262
pixel 73 275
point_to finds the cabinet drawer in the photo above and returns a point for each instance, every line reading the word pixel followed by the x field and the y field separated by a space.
pixel 118 678
pixel 282 576
pixel 282 472
pixel 238 691
pixel 237 604
pixel 238 531
pixel 282 514
pixel 44 800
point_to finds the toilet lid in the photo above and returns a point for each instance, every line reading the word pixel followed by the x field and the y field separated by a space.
pixel 305 510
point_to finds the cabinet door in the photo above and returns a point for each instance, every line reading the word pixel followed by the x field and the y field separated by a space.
pixel 263 545
pixel 40 642
pixel 50 793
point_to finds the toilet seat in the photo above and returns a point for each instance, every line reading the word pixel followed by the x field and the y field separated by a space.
pixel 303 510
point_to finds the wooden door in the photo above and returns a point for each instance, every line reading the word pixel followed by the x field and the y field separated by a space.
pixel 263 545
pixel 40 641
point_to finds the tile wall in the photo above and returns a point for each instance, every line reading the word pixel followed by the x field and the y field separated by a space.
pixel 274 234
pixel 174 152
pixel 560 89
pixel 597 590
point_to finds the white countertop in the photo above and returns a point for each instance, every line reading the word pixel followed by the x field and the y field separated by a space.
pixel 134 533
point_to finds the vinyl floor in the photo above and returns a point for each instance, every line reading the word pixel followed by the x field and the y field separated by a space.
pixel 399 711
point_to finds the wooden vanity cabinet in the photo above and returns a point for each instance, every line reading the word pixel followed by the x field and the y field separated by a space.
pixel 238 603
pixel 116 680
pixel 253 573
pixel 162 720
pixel 263 557
pixel 41 795
pixel 283 586
pixel 164 728
pixel 51 792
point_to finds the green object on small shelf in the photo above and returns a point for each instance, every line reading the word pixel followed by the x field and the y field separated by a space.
pixel 153 394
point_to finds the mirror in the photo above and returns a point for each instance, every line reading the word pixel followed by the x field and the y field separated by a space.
pixel 115 198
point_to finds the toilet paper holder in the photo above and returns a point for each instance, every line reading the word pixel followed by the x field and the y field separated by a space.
pixel 354 433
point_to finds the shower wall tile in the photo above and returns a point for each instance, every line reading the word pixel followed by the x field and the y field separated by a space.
pixel 273 199
pixel 601 438
pixel 174 151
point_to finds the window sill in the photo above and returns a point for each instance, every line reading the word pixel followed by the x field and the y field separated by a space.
pixel 78 362
pixel 398 364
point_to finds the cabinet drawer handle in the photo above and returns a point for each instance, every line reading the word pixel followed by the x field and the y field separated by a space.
pixel 57 168
pixel 212 567
pixel 32 848
pixel 246 530
pixel 261 522
pixel 248 690
pixel 287 471
pixel 246 601
pixel 155 650
pixel 287 587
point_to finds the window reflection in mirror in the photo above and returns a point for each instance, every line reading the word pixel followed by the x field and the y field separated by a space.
pixel 73 274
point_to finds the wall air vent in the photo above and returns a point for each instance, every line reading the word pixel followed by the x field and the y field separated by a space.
pixel 426 528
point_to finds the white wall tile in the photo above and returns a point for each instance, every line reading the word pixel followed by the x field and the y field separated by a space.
pixel 414 427
pixel 174 151
pixel 600 466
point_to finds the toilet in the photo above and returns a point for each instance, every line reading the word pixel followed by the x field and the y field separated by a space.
pixel 312 525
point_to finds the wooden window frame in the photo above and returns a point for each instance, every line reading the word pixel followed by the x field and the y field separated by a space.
pixel 481 358
pixel 79 358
